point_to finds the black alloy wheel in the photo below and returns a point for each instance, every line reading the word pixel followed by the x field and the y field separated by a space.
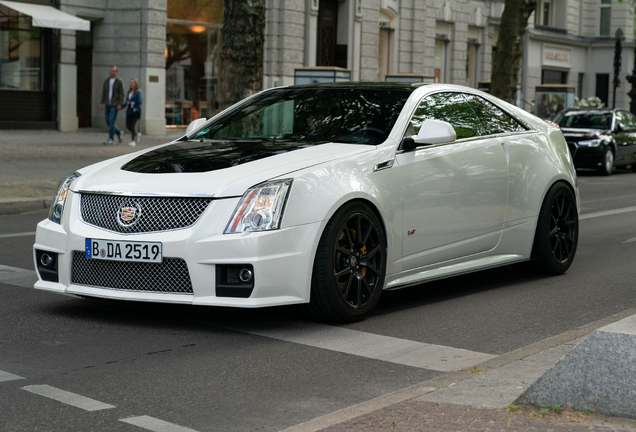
pixel 557 232
pixel 350 265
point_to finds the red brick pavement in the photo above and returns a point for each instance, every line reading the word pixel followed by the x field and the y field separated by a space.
pixel 413 415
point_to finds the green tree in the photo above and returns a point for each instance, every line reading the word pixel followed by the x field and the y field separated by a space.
pixel 242 51
pixel 507 61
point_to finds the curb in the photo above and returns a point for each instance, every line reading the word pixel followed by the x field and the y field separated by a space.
pixel 21 205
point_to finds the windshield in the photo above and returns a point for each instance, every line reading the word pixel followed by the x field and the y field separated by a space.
pixel 585 120
pixel 343 115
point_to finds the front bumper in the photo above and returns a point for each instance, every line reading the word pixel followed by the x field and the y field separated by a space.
pixel 282 260
pixel 587 157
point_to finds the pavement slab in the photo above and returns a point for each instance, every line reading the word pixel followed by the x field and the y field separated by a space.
pixel 417 415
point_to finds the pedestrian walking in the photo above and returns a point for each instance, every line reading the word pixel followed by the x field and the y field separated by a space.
pixel 111 102
pixel 134 99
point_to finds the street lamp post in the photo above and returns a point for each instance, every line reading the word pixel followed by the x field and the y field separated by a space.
pixel 632 80
pixel 617 63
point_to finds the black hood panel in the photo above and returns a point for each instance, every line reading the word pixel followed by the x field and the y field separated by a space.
pixel 575 135
pixel 198 157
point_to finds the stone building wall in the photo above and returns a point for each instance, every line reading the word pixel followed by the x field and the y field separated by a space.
pixel 369 39
pixel 284 49
pixel 130 34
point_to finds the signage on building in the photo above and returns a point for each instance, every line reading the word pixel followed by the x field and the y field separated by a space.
pixel 556 56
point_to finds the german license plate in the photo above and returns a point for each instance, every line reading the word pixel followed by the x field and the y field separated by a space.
pixel 111 250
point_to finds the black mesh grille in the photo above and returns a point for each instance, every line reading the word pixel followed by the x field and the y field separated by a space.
pixel 150 214
pixel 170 276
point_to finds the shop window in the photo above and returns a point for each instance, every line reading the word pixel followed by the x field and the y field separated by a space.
pixel 471 64
pixel 204 11
pixel 20 52
pixel 443 32
pixel 439 63
pixel 193 37
pixel 606 17
pixel 602 87
pixel 549 76
pixel 387 30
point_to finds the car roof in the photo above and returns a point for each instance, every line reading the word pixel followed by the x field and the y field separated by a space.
pixel 590 110
pixel 388 85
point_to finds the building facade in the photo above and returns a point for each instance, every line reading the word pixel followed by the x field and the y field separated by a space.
pixel 572 43
pixel 52 77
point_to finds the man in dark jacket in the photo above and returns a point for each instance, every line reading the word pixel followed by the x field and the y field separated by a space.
pixel 111 102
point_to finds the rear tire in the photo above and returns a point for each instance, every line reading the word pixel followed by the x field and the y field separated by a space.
pixel 350 265
pixel 556 237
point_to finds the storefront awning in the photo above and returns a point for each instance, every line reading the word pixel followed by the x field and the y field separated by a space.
pixel 48 16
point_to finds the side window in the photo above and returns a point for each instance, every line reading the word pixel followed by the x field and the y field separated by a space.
pixel 494 120
pixel 449 107
pixel 622 120
pixel 626 119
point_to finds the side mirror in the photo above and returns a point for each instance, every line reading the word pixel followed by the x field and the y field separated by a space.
pixel 431 132
pixel 194 125
pixel 619 128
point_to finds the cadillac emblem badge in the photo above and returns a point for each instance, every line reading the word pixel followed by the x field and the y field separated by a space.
pixel 128 214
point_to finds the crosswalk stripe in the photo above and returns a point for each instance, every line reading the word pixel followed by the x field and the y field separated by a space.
pixel 155 425
pixel 22 234
pixel 607 213
pixel 386 348
pixel 6 376
pixel 78 401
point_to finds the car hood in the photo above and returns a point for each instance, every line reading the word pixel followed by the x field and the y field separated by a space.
pixel 583 134
pixel 197 169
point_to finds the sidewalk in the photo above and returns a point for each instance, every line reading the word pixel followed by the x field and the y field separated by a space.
pixel 478 399
pixel 32 162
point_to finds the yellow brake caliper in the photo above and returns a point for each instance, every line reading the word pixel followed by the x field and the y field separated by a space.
pixel 363 251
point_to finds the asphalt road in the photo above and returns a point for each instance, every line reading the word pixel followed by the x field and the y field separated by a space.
pixel 212 369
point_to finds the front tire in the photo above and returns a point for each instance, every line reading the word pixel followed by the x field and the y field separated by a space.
pixel 557 233
pixel 607 163
pixel 350 265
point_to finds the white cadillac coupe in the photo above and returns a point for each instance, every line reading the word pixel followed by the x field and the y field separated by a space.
pixel 322 194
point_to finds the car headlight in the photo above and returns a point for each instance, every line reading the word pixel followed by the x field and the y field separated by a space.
pixel 260 208
pixel 591 143
pixel 57 206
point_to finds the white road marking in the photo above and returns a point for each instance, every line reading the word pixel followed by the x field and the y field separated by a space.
pixel 155 425
pixel 23 234
pixel 631 240
pixel 78 401
pixel 6 376
pixel 8 269
pixel 386 348
pixel 607 213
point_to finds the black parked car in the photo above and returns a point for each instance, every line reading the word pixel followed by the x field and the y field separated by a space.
pixel 600 138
